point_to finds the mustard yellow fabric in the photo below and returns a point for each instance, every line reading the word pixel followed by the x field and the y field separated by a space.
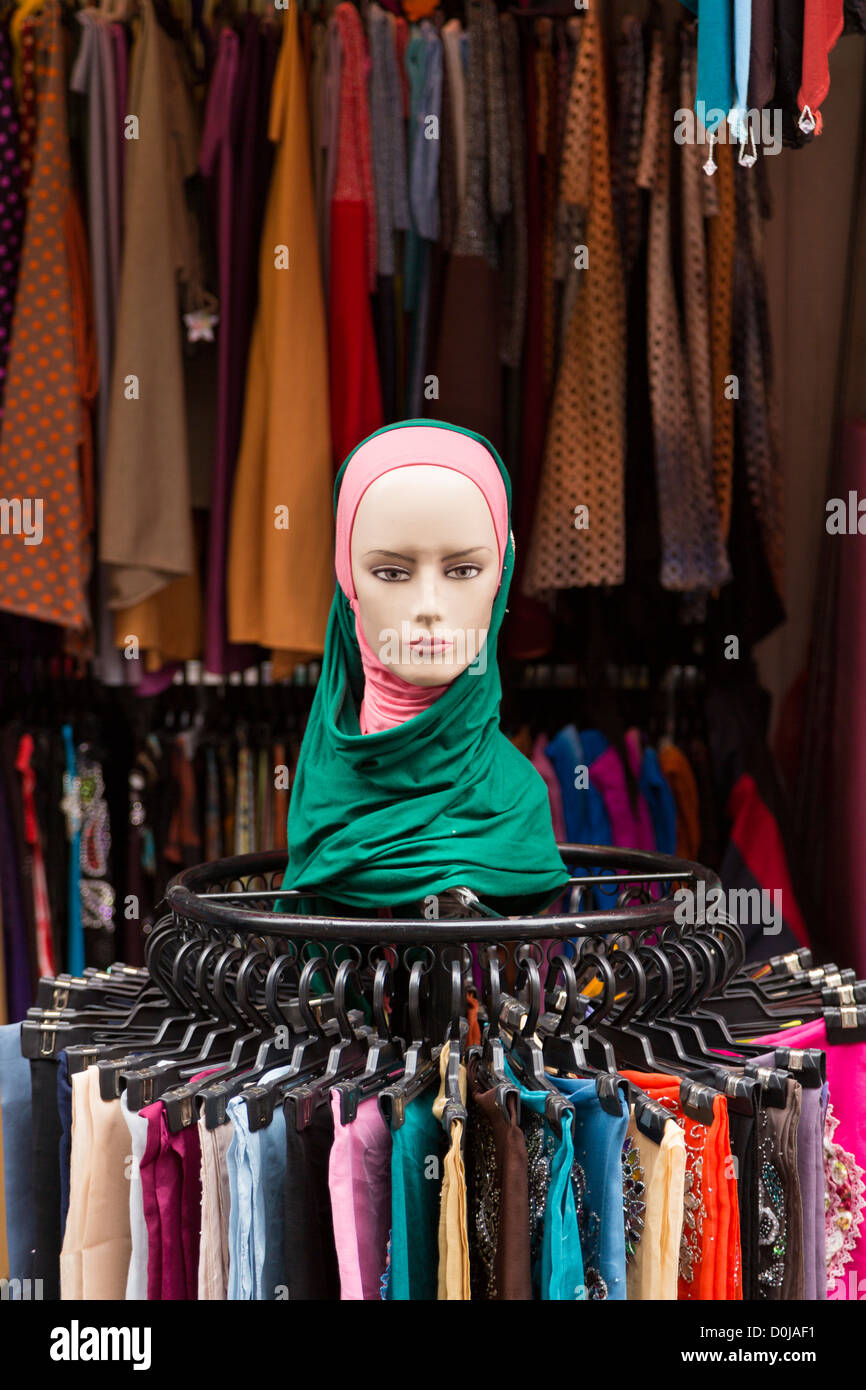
pixel 453 1232
pixel 280 577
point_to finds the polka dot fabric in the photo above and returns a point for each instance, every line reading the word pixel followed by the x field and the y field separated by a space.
pixel 41 426
pixel 11 209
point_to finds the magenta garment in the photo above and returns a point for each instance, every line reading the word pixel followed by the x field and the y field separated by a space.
pixel 359 1179
pixel 147 1171
pixel 170 1171
pixel 846 802
pixel 846 1078
pixel 217 163
pixel 542 764
pixel 631 828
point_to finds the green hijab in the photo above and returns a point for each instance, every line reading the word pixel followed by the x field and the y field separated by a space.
pixel 441 800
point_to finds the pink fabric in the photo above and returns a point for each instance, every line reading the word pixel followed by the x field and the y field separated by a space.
pixel 170 1170
pixel 359 1180
pixel 542 764
pixel 846 1077
pixel 631 828
pixel 846 798
pixel 388 699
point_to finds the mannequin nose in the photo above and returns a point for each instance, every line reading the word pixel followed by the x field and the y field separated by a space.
pixel 428 605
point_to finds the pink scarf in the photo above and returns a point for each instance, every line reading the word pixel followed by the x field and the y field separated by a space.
pixel 388 699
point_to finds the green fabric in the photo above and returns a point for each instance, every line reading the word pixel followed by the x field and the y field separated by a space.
pixel 418 1151
pixel 441 800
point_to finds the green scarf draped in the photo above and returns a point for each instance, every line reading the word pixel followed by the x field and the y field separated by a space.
pixel 442 800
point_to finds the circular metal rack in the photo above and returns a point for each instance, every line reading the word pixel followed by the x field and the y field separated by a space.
pixel 242 897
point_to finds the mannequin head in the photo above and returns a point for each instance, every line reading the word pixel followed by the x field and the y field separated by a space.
pixel 426 568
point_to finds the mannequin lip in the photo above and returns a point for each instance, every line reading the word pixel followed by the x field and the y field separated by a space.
pixel 428 643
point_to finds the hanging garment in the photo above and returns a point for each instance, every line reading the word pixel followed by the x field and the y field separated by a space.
pixel 384 842
pixel 279 550
pixel 424 65
pixel 359 1178
pixel 39 885
pixel 823 22
pixel 658 797
pixel 64 1109
pixel 312 1271
pixel 13 211
pixel 170 1170
pixel 693 552
pixel 696 308
pixel 256 1164
pixel 146 526
pixel 762 54
pixel 412 1271
pixel 542 764
pixel 467 364
pixel 94 1261
pixel 742 45
pixel 585 451
pixel 453 1280
pixel 213 1253
pixel 136 1279
pixel 653 1266
pixel 598 1181
pixel 715 92
pixel 529 629
pixel 679 776
pixel 845 1079
pixel 555 1253
pixel 710 1264
pixel 217 160
pixel 387 140
pixel 93 75
pixel 630 823
pixel 810 1174
pixel 17 1175
pixel 45 1175
pixel 39 465
pixel 356 401
pixel 497 1176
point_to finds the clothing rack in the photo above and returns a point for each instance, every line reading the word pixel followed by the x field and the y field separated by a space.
pixel 206 898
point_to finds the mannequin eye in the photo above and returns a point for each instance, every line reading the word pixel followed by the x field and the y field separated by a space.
pixel 391 574
pixel 464 571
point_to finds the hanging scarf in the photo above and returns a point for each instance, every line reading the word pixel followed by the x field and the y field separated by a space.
pixel 438 801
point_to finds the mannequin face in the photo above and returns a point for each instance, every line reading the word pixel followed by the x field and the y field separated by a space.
pixel 426 571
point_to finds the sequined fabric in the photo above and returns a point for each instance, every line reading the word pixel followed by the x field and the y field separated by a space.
pixel 484 1198
pixel 844 1202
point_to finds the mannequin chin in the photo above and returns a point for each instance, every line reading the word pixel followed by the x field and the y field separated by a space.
pixel 426 570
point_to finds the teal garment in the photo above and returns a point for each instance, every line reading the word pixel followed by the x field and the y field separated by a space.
pixel 557 1274
pixel 75 926
pixel 418 1150
pixel 715 88
pixel 440 801
pixel 598 1140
